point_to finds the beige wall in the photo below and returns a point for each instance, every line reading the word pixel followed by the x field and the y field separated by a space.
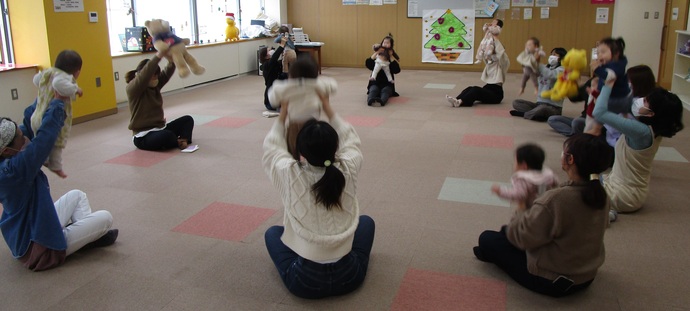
pixel 642 36
pixel 349 31
pixel 21 80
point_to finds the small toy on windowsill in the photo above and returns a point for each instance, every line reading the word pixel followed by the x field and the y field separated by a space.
pixel 232 33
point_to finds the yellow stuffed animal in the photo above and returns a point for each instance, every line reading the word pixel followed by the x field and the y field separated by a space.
pixel 566 84
pixel 232 33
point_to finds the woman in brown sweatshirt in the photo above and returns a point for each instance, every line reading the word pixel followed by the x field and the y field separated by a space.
pixel 148 123
pixel 556 246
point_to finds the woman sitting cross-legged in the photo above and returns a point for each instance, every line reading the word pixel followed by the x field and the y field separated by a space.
pixel 556 246
pixel 657 115
pixel 323 247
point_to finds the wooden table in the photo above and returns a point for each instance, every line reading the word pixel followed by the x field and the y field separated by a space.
pixel 311 48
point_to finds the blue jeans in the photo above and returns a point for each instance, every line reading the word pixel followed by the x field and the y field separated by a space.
pixel 312 280
pixel 567 126
pixel 379 94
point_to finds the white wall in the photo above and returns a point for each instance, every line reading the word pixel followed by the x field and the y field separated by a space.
pixel 221 60
pixel 20 79
pixel 642 36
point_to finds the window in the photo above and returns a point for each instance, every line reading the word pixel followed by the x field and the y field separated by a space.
pixel 6 54
pixel 211 17
pixel 201 21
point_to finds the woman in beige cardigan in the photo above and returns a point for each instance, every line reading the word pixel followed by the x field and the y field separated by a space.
pixel 494 75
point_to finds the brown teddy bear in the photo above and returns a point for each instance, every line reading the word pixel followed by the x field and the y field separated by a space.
pixel 164 40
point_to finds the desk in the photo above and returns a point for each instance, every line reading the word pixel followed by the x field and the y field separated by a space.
pixel 311 48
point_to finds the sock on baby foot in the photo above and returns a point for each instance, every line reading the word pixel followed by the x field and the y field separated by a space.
pixel 452 100
pixel 610 75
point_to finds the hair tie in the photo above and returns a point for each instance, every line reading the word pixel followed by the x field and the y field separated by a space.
pixel 593 176
pixel 327 163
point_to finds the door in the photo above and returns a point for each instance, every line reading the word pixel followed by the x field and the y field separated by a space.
pixel 668 43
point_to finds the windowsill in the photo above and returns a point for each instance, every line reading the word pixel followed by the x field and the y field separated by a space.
pixel 191 46
pixel 16 67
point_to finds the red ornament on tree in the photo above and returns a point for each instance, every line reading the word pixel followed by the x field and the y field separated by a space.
pixel 460 44
pixel 451 29
pixel 441 20
pixel 437 36
pixel 433 48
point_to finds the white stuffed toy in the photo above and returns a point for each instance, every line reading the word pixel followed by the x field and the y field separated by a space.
pixel 164 40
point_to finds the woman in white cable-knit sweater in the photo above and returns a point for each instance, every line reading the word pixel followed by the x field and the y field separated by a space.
pixel 323 248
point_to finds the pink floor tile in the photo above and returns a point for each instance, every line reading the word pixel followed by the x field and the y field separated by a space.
pixel 428 290
pixel 491 141
pixel 365 121
pixel 230 122
pixel 398 100
pixel 143 158
pixel 492 112
pixel 225 221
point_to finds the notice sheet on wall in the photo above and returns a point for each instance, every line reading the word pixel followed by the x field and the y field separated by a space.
pixel 68 5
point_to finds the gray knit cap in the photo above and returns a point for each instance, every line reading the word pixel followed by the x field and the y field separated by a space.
pixel 7 131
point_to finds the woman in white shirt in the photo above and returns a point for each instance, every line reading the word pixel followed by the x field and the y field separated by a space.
pixel 323 248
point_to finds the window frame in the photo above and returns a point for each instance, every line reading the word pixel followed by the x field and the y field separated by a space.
pixel 6 49
pixel 193 18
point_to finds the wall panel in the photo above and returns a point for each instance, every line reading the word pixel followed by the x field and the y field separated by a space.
pixel 349 31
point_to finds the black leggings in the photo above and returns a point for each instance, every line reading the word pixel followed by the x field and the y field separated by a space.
pixel 495 247
pixel 166 139
pixel 488 94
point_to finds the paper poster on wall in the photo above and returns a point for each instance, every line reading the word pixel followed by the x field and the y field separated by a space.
pixel 523 3
pixel 491 8
pixel 68 5
pixel 390 1
pixel 375 2
pixel 602 16
pixel 547 3
pixel 603 1
pixel 362 2
pixel 527 14
pixel 544 13
pixel 486 8
pixel 412 8
pixel 447 36
pixel 349 2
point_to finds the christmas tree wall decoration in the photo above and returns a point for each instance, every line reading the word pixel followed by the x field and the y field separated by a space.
pixel 448 37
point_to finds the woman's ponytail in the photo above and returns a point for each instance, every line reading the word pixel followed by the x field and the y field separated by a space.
pixel 329 188
pixel 129 76
pixel 591 155
pixel 317 142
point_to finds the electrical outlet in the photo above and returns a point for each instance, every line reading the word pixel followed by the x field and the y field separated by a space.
pixel 656 15
pixel 15 94
pixel 98 81
pixel 646 15
pixel 117 76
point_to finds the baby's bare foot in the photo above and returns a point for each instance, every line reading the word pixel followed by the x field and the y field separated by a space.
pixel 60 173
